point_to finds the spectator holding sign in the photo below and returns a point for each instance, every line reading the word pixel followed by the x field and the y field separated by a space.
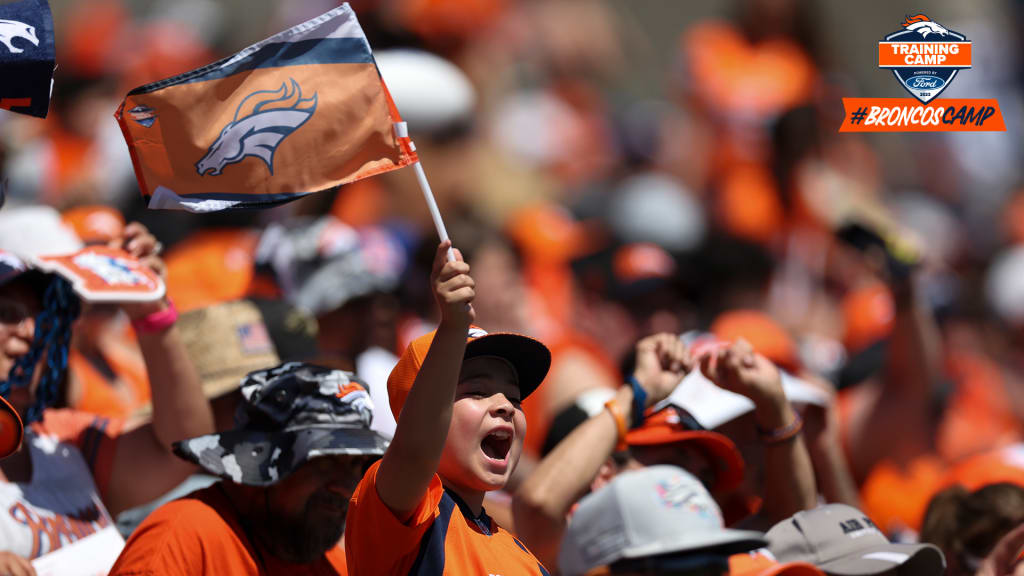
pixel 75 470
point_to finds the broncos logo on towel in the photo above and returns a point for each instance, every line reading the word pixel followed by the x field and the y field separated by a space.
pixel 11 29
pixel 262 121
pixel 923 25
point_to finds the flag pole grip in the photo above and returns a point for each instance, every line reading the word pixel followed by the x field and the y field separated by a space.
pixel 435 214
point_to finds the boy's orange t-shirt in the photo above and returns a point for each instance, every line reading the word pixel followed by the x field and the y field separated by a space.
pixel 201 534
pixel 441 537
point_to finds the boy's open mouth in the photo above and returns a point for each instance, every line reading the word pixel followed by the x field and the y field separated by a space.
pixel 497 444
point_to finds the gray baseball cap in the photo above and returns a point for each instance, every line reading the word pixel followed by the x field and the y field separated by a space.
pixel 843 541
pixel 656 511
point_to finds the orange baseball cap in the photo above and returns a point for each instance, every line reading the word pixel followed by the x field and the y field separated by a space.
pixel 95 224
pixel 212 266
pixel 642 261
pixel 529 357
pixel 549 233
pixel 765 335
pixel 761 562
pixel 868 313
pixel 667 426
pixel 11 429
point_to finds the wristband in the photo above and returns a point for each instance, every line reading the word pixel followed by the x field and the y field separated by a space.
pixel 620 424
pixel 639 401
pixel 783 434
pixel 157 321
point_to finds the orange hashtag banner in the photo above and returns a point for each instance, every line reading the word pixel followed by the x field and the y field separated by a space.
pixel 909 115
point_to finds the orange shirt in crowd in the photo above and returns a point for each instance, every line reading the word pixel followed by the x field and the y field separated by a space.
pixel 201 534
pixel 97 394
pixel 980 414
pixel 896 496
pixel 441 537
pixel 210 267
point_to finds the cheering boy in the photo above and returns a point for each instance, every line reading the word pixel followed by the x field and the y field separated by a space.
pixel 457 394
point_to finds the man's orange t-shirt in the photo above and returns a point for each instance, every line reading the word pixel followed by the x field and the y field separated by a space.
pixel 201 534
pixel 442 537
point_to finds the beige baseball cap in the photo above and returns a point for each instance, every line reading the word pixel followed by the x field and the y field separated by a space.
pixel 225 342
pixel 843 541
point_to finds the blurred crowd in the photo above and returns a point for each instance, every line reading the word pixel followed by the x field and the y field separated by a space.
pixel 883 304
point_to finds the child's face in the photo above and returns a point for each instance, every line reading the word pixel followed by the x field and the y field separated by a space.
pixel 486 434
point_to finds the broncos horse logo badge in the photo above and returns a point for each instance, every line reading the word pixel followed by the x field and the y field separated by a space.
pixel 11 29
pixel 924 26
pixel 924 56
pixel 262 121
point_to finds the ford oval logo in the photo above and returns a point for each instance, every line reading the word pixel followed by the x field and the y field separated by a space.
pixel 925 82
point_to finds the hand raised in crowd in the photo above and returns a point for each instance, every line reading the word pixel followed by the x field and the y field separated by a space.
pixel 739 369
pixel 662 360
pixel 1004 560
pixel 138 241
pixel 13 565
pixel 143 246
pixel 454 289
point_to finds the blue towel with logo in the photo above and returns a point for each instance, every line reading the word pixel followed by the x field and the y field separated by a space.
pixel 27 57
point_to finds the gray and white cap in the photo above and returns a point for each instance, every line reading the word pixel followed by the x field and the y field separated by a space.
pixel 656 511
pixel 843 541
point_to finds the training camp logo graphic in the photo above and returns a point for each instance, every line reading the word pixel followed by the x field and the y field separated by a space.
pixel 144 115
pixel 11 29
pixel 262 121
pixel 925 57
pixel 924 66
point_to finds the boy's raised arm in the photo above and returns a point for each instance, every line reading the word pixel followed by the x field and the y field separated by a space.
pixel 411 461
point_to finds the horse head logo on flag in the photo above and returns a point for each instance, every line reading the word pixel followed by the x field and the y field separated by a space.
pixel 924 56
pixel 262 121
pixel 11 29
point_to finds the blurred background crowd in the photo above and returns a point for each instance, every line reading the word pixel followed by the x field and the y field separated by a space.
pixel 610 170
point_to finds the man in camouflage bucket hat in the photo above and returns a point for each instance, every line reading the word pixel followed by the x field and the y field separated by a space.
pixel 300 445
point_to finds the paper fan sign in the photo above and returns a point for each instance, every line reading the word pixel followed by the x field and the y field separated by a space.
pixel 101 274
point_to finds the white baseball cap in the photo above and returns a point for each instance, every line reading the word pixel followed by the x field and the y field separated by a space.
pixel 36 231
pixel 712 406
pixel 430 92
pixel 656 511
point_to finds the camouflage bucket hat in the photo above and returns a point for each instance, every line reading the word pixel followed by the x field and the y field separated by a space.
pixel 289 414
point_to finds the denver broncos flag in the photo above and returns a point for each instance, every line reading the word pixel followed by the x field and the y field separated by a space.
pixel 26 57
pixel 300 112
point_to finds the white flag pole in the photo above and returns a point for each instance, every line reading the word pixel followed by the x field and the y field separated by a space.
pixel 402 131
